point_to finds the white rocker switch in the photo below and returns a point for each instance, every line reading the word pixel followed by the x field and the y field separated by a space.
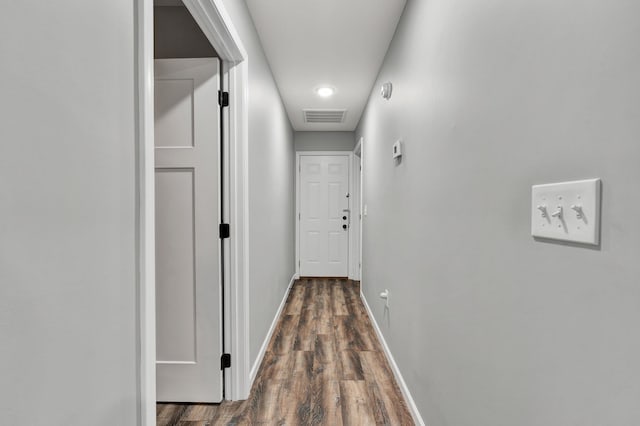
pixel 567 211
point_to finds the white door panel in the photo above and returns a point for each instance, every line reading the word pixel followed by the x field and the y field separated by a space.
pixel 173 109
pixel 188 302
pixel 324 199
pixel 176 340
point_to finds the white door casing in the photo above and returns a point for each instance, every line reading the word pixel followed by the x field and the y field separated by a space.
pixel 215 22
pixel 188 291
pixel 323 206
pixel 361 210
pixel 356 219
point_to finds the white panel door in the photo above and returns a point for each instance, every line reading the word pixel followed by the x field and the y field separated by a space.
pixel 324 215
pixel 188 300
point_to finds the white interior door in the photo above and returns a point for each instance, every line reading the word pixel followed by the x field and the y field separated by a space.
pixel 188 299
pixel 324 215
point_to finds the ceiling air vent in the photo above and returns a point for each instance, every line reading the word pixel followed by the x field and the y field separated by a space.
pixel 324 115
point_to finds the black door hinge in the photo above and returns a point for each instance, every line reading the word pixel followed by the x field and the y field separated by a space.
pixel 225 361
pixel 223 98
pixel 225 231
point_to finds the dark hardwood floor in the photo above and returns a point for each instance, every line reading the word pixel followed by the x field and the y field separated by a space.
pixel 324 366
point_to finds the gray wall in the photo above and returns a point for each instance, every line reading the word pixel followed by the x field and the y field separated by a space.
pixel 68 206
pixel 177 35
pixel 67 203
pixel 488 326
pixel 271 185
pixel 324 141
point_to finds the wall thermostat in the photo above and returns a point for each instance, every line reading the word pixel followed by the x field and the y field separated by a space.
pixel 397 149
pixel 386 89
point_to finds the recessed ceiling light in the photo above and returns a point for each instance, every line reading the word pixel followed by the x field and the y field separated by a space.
pixel 325 91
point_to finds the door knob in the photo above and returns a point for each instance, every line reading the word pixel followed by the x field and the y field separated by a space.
pixel 346 217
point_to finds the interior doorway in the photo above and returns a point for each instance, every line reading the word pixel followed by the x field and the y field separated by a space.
pixel 188 209
pixel 215 23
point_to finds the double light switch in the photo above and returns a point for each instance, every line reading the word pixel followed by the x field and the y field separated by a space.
pixel 567 211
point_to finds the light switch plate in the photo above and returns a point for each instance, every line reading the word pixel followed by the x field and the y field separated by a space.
pixel 567 211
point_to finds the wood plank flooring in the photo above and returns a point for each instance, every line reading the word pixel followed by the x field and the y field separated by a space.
pixel 324 366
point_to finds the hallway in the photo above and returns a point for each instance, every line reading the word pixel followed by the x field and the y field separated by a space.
pixel 324 365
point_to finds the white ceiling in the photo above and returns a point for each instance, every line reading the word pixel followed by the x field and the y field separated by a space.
pixel 340 43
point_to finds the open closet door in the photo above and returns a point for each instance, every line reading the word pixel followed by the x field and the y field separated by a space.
pixel 188 289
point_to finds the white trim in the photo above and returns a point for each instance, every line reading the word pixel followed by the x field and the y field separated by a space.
pixel 357 150
pixel 238 276
pixel 265 344
pixel 413 409
pixel 145 192
pixel 297 215
pixel 216 24
pixel 354 226
pixel 212 17
pixel 299 154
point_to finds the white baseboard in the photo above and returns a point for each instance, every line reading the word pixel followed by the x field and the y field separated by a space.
pixel 265 344
pixel 413 409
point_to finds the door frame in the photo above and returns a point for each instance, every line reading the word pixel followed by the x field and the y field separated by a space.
pixel 217 26
pixel 359 189
pixel 349 155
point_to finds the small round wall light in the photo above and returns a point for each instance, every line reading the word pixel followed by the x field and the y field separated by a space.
pixel 386 90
